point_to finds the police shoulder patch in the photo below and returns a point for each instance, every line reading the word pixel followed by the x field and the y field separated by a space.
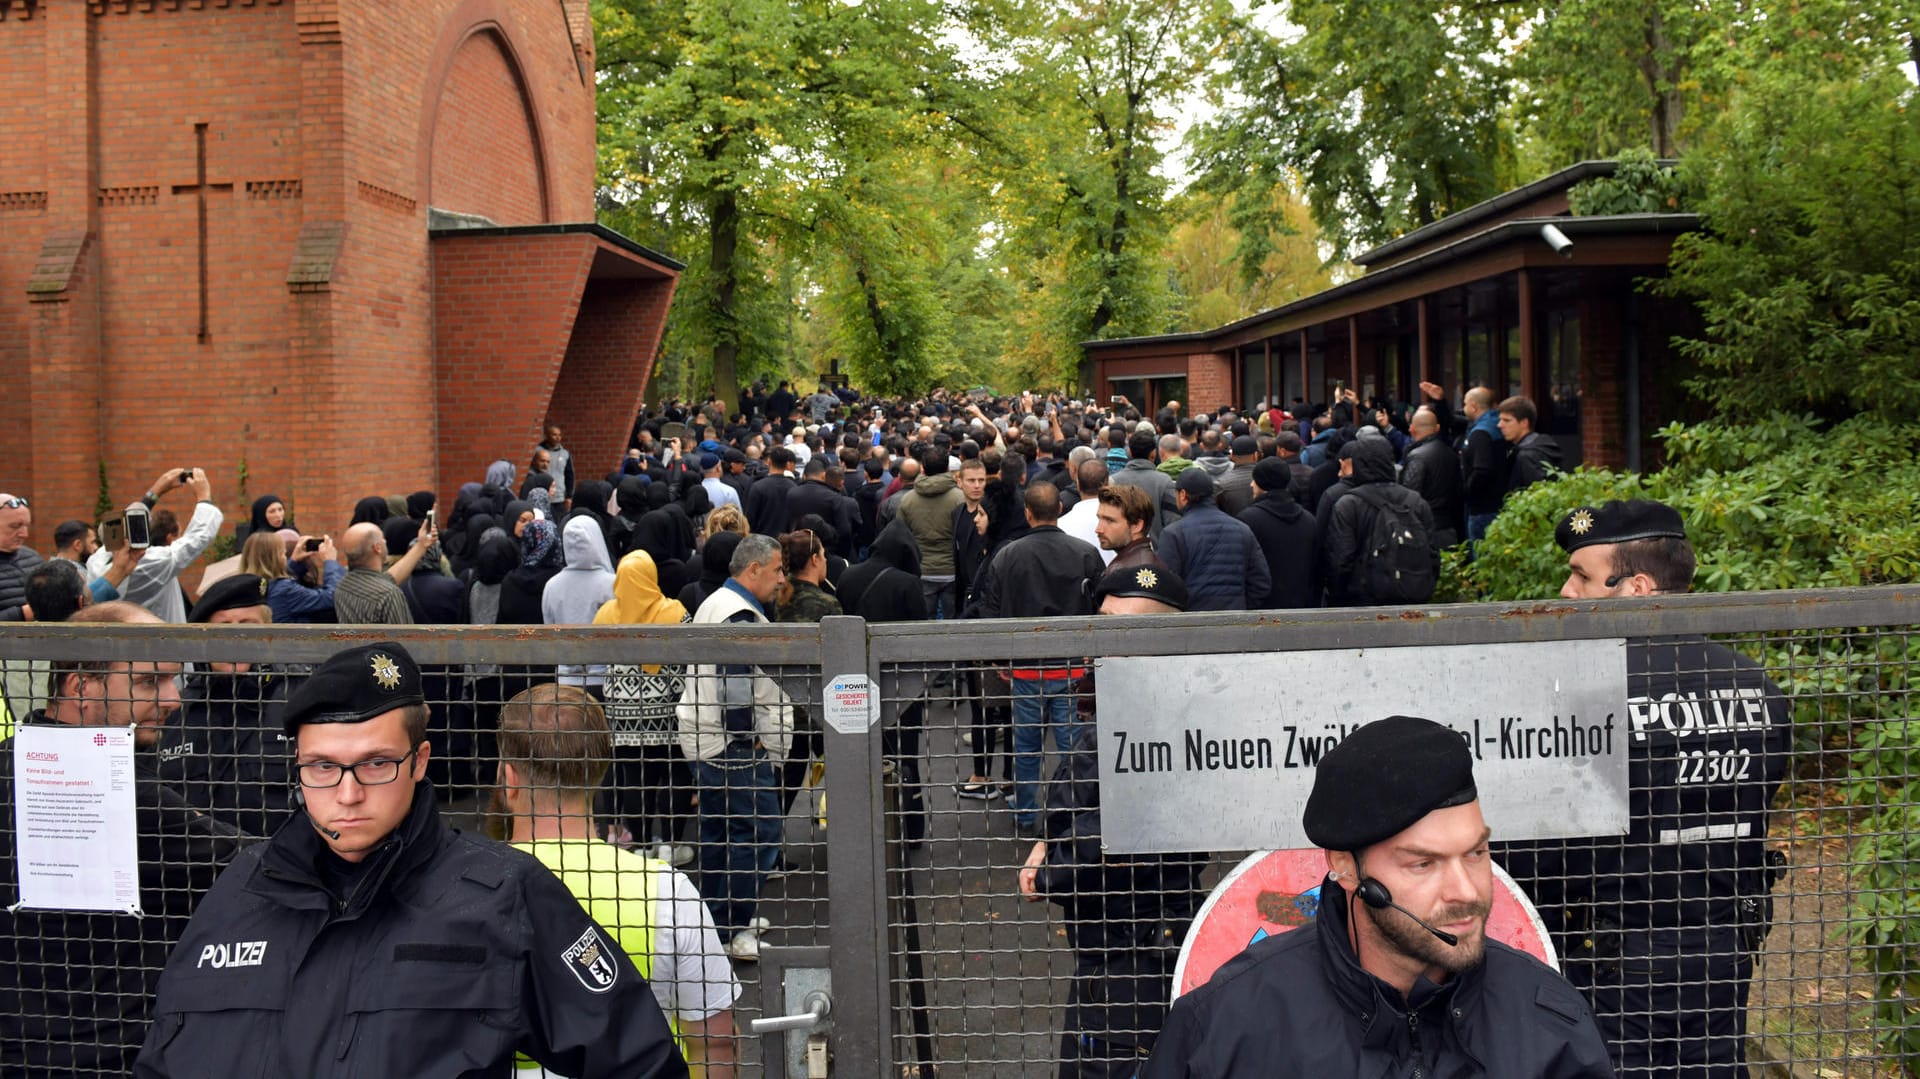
pixel 590 961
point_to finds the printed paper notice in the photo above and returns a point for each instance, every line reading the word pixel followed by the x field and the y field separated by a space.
pixel 74 819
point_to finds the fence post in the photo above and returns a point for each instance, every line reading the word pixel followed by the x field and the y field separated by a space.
pixel 856 878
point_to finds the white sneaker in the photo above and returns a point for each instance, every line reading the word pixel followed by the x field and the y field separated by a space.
pixel 663 853
pixel 682 855
pixel 759 924
pixel 745 946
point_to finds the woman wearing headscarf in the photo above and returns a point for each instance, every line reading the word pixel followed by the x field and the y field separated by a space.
pixel 541 558
pixel 514 517
pixel 538 481
pixel 715 563
pixel 269 515
pixel 419 504
pixel 456 538
pixel 495 556
pixel 370 510
pixel 542 503
pixel 650 792
pixel 498 490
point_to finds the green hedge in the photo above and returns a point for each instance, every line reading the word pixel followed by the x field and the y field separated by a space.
pixel 1787 502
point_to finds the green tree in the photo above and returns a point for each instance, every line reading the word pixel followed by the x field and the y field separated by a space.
pixel 1208 253
pixel 1392 115
pixel 1805 276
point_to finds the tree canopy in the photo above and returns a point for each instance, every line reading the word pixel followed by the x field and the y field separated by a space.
pixel 941 194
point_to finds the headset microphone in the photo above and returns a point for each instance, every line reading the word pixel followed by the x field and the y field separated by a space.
pixel 1617 578
pixel 1374 894
pixel 300 800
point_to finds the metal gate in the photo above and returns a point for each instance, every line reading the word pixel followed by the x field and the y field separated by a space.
pixel 899 896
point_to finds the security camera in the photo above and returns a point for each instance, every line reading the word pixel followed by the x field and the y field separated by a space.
pixel 1557 240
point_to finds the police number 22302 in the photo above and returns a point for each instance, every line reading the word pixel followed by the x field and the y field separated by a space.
pixel 1713 766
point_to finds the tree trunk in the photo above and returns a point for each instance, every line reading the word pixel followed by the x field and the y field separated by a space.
pixel 723 232
pixel 1661 70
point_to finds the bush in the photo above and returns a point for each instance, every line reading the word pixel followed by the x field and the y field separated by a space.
pixel 1785 502
pixel 1790 502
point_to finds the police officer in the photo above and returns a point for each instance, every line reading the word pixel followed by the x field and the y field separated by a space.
pixel 1659 927
pixel 1396 976
pixel 1125 914
pixel 228 752
pixel 74 986
pixel 368 938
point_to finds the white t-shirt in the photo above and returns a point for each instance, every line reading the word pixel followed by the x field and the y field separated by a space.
pixel 1079 523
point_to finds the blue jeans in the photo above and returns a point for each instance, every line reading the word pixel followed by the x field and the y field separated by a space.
pixel 1477 524
pixel 1037 702
pixel 740 829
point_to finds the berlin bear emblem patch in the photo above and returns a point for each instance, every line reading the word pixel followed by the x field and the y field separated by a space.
pixel 589 961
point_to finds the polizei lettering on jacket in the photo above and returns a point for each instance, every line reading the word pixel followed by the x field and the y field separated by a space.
pixel 241 953
pixel 1684 715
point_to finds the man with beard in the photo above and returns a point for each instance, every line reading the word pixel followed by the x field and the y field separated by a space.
pixel 1397 976
pixel 227 753
pixel 74 986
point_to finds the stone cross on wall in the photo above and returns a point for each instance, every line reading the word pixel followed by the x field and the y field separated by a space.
pixel 199 189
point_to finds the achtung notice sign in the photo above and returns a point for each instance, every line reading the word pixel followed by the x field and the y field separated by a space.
pixel 1218 752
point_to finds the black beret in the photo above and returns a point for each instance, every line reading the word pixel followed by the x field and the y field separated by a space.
pixel 1143 582
pixel 1382 778
pixel 355 686
pixel 1619 522
pixel 1273 474
pixel 234 590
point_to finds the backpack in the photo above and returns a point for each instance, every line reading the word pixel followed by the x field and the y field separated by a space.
pixel 1397 561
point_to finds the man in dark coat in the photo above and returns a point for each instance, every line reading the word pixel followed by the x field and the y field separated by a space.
pixel 1288 539
pixel 1216 555
pixel 817 496
pixel 1403 982
pixel 766 500
pixel 226 751
pixel 74 986
pixel 1432 470
pixel 1483 462
pixel 1125 914
pixel 886 588
pixel 1043 574
pixel 16 558
pixel 1345 542
pixel 1662 935
pixel 1535 456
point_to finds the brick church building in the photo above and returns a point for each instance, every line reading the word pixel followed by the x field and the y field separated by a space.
pixel 348 244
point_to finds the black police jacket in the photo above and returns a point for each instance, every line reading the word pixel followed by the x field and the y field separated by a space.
pixel 74 986
pixel 446 954
pixel 1709 738
pixel 1300 1005
pixel 226 751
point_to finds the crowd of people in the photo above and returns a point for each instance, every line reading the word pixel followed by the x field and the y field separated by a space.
pixel 786 509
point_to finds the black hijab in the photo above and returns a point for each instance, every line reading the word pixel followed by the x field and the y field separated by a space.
pixel 370 510
pixel 538 481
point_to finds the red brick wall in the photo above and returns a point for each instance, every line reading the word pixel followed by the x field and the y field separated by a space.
pixel 485 158
pixel 503 308
pixel 1209 382
pixel 604 378
pixel 320 114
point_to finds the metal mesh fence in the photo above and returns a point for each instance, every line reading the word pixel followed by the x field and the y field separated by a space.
pixel 1762 908
pixel 681 860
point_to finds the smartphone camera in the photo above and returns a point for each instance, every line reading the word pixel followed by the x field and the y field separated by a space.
pixel 139 536
pixel 311 545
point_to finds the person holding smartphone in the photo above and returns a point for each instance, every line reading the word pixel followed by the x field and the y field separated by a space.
pixel 154 583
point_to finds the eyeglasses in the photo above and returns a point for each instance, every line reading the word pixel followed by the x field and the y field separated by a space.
pixel 14 503
pixel 377 772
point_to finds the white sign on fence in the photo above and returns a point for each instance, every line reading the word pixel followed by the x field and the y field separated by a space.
pixel 1217 752
pixel 73 818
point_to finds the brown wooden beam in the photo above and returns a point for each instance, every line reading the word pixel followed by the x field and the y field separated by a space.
pixel 1353 352
pixel 1426 342
pixel 1527 356
pixel 1306 368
